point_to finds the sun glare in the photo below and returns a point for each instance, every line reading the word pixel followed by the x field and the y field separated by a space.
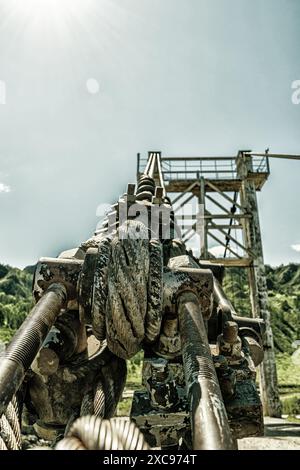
pixel 48 7
pixel 39 14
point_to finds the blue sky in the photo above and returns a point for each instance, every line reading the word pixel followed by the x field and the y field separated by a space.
pixel 187 77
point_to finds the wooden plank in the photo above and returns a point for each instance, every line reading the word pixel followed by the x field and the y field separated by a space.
pixel 218 226
pixel 225 216
pixel 181 185
pixel 232 262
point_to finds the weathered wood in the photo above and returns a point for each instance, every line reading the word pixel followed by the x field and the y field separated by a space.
pixel 225 226
pixel 178 185
pixel 243 247
pixel 189 189
pixel 223 244
pixel 225 196
pixel 232 262
pixel 219 205
pixel 258 290
pixel 204 231
pixel 225 216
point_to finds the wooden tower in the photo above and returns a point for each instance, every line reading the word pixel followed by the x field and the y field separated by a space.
pixel 224 189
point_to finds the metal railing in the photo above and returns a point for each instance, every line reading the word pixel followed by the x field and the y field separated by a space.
pixel 191 168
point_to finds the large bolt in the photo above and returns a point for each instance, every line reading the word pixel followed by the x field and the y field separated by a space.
pixel 230 332
pixel 229 343
pixel 46 362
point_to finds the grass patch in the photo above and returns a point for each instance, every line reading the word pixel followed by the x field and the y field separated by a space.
pixel 289 384
pixel 124 407
pixel 292 419
pixel 291 405
pixel 288 374
pixel 133 382
pixel 6 334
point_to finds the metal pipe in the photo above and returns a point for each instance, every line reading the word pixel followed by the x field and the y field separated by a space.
pixel 152 166
pixel 205 158
pixel 209 422
pixel 149 163
pixel 274 155
pixel 19 355
pixel 229 312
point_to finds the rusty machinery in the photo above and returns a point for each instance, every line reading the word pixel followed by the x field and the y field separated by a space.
pixel 123 291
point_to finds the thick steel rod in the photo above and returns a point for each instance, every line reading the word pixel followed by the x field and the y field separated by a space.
pixel 19 355
pixel 229 312
pixel 209 422
pixel 274 155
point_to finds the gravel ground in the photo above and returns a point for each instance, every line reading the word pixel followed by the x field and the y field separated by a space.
pixel 280 434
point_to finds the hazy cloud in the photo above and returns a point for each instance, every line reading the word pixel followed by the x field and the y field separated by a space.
pixel 4 188
pixel 218 251
pixel 296 247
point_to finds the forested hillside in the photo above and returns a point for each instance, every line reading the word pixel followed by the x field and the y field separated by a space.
pixel 284 300
pixel 15 299
pixel 284 294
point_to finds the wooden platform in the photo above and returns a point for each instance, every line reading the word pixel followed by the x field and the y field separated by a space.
pixel 224 185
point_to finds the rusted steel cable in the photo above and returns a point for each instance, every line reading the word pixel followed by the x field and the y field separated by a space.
pixel 108 388
pixel 7 434
pixel 153 317
pixel 128 290
pixel 92 433
pixel 87 404
pixel 13 420
pixel 100 289
pixel 2 444
pixel 25 345
pixel 99 400
pixel 209 422
pixel 10 429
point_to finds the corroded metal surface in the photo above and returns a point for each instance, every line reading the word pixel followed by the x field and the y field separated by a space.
pixel 22 350
pixel 153 317
pixel 210 427
pixel 127 289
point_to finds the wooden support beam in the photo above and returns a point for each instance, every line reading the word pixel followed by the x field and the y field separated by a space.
pixel 259 292
pixel 184 235
pixel 215 188
pixel 225 226
pixel 188 190
pixel 219 205
pixel 223 244
pixel 186 217
pixel 189 237
pixel 227 235
pixel 183 203
pixel 225 216
pixel 203 226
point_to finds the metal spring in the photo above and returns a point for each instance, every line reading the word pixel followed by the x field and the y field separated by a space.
pixel 92 433
pixel 145 189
